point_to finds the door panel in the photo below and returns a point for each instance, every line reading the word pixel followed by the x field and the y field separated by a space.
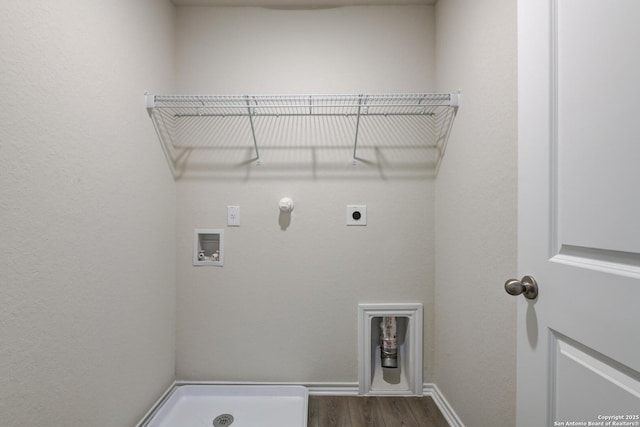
pixel 579 236
pixel 596 70
pixel 600 378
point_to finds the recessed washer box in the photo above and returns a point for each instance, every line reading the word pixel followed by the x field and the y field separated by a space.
pixel 208 247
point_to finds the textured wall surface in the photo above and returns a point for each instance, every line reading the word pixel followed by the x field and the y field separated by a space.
pixel 284 306
pixel 87 247
pixel 476 212
pixel 369 49
pixel 91 218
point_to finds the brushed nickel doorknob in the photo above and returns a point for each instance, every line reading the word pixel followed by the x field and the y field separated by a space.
pixel 527 286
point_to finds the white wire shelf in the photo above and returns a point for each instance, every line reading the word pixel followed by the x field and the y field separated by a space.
pixel 187 122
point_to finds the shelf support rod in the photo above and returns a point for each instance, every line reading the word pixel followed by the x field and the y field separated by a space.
pixel 455 99
pixel 355 142
pixel 150 101
pixel 253 132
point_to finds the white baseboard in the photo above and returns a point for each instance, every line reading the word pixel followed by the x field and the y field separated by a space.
pixel 332 389
pixel 315 388
pixel 448 413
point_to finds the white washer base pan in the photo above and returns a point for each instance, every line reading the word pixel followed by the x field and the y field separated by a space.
pixel 208 405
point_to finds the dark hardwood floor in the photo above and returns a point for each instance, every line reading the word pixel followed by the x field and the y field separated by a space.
pixel 374 411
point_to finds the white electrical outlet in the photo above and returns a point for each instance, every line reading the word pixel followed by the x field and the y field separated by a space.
pixel 356 214
pixel 233 215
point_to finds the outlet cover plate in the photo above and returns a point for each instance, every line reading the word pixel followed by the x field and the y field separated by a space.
pixel 357 215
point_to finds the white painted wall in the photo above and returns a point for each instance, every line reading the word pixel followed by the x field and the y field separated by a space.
pixel 337 50
pixel 87 324
pixel 87 253
pixel 476 212
pixel 284 306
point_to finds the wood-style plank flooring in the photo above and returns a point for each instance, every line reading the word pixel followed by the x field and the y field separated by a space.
pixel 374 411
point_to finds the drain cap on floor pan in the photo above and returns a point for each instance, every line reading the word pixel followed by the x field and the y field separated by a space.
pixel 222 420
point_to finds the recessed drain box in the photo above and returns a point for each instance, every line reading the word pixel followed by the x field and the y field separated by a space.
pixel 373 377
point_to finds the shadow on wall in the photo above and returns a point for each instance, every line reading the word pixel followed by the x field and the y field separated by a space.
pixel 284 219
pixel 303 147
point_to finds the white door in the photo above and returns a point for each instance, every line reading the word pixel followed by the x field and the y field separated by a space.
pixel 579 212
